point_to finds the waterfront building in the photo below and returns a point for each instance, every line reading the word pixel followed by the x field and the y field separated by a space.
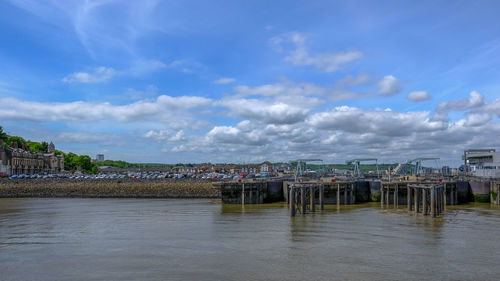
pixel 484 163
pixel 16 160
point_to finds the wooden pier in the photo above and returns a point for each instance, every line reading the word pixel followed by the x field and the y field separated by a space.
pixel 426 198
pixel 339 193
pixel 396 193
pixel 302 198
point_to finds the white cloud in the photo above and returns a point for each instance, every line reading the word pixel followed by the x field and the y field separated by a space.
pixel 100 74
pixel 418 96
pixel 477 119
pixel 156 135
pixel 265 111
pixel 179 136
pixel 103 74
pixel 284 88
pixel 388 86
pixel 299 55
pixel 162 109
pixel 384 123
pixel 475 100
pixel 224 80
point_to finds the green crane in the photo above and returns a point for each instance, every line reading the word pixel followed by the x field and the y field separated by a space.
pixel 418 163
pixel 356 163
pixel 301 166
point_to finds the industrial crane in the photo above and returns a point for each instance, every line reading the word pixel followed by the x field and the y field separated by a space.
pixel 356 163
pixel 418 163
pixel 299 171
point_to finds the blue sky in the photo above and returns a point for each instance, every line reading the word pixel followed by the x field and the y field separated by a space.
pixel 234 81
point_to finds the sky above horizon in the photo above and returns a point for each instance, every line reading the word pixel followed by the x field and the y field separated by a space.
pixel 249 81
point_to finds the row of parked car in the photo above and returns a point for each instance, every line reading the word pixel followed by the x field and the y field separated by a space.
pixel 143 176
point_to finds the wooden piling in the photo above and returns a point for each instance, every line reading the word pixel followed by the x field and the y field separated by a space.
pixel 387 192
pixel 345 194
pixel 381 195
pixel 291 200
pixel 243 194
pixel 351 194
pixel 396 194
pixel 415 198
pixel 444 197
pixel 408 197
pixel 424 201
pixel 312 197
pixel 433 202
pixel 452 196
pixel 303 200
pixel 322 197
pixel 338 193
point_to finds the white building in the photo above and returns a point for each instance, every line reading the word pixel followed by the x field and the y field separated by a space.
pixel 483 163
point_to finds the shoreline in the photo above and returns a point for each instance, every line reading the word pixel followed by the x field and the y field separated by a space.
pixel 108 188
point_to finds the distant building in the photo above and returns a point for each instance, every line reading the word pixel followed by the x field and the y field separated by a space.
pixel 16 160
pixel 483 163
pixel 99 158
pixel 266 167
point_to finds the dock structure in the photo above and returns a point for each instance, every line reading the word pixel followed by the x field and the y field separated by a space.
pixel 339 193
pixel 428 199
pixel 398 193
pixel 302 198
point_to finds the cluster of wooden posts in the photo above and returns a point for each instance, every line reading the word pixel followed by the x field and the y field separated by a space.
pixel 428 199
pixel 432 198
pixel 302 197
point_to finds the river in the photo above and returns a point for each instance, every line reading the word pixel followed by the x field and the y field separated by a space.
pixel 142 239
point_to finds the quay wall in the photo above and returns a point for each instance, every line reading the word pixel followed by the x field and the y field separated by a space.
pixel 108 188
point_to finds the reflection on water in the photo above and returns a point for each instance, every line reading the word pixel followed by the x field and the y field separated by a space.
pixel 122 239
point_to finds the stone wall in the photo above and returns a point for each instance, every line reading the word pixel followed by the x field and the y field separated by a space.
pixel 108 188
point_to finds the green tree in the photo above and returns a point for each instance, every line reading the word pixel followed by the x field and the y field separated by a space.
pixel 3 135
pixel 70 162
pixel 19 140
pixel 36 147
pixel 95 169
pixel 85 163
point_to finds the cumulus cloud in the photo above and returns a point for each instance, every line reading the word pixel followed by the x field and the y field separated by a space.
pixel 493 107
pixel 100 74
pixel 475 100
pixel 388 86
pixel 264 111
pixel 163 108
pixel 418 96
pixel 299 55
pixel 156 135
pixel 477 119
pixel 224 80
pixel 380 122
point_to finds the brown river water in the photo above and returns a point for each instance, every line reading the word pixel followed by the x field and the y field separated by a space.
pixel 142 239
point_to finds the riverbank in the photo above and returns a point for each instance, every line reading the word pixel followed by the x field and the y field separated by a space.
pixel 108 188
